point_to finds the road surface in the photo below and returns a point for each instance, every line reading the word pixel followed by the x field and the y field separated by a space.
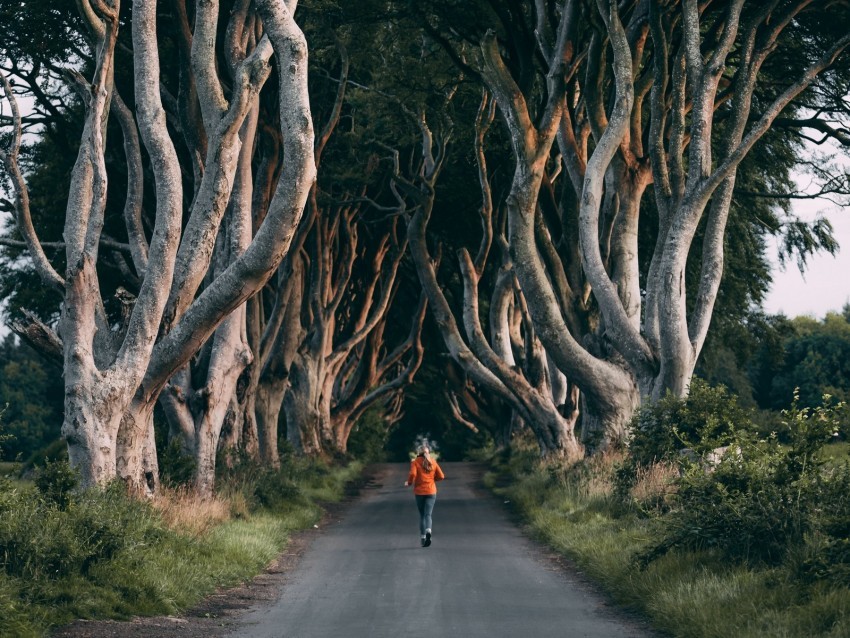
pixel 367 576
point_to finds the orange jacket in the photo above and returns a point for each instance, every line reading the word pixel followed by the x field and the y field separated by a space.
pixel 424 482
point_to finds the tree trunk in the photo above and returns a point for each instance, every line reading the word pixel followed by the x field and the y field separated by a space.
pixel 181 424
pixel 137 463
pixel 230 354
pixel 274 377
pixel 269 402
pixel 92 420
pixel 302 407
pixel 604 424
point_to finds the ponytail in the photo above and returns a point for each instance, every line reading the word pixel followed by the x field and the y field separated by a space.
pixel 427 464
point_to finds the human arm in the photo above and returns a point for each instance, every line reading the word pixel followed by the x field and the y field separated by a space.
pixel 411 475
pixel 438 472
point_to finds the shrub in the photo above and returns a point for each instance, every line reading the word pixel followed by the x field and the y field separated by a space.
pixel 762 501
pixel 56 482
pixel 55 451
pixel 4 437
pixel 39 540
pixel 105 554
pixel 369 437
pixel 275 491
pixel 826 554
pixel 708 418
pixel 176 468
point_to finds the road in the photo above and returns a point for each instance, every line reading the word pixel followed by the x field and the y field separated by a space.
pixel 367 575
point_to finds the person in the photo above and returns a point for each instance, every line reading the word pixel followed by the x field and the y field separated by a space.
pixel 424 473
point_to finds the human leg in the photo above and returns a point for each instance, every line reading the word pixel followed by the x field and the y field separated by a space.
pixel 420 505
pixel 427 512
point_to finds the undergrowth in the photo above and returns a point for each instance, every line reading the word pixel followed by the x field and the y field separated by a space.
pixel 749 540
pixel 67 554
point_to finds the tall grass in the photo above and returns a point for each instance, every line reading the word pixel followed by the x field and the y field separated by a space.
pixel 687 593
pixel 101 554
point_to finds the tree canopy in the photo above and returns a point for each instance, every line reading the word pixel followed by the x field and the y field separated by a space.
pixel 559 208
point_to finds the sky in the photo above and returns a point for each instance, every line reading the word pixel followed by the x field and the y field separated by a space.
pixel 824 287
pixel 825 284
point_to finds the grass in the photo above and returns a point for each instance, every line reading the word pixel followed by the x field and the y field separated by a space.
pixel 10 471
pixel 684 593
pixel 108 556
pixel 836 452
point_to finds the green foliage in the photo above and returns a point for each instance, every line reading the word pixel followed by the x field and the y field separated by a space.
pixel 369 437
pixel 685 592
pixel 825 556
pixel 762 499
pixel 176 468
pixel 706 419
pixel 804 353
pixel 24 23
pixel 40 540
pixel 5 483
pixel 106 555
pixel 32 391
pixel 816 360
pixel 4 437
pixel 298 483
pixel 56 482
pixel 53 452
pixel 709 418
pixel 275 490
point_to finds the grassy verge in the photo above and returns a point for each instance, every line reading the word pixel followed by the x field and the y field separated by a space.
pixel 684 593
pixel 101 554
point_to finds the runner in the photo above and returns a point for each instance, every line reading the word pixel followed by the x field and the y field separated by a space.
pixel 424 472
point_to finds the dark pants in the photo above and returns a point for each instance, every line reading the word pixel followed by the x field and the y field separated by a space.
pixel 425 503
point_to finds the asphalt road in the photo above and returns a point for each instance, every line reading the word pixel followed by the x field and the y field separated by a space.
pixel 367 576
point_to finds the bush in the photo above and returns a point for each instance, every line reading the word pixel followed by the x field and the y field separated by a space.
pixel 56 482
pixel 275 491
pixel 176 468
pixel 39 540
pixel 4 438
pixel 826 554
pixel 55 451
pixel 369 437
pixel 763 500
pixel 101 553
pixel 707 419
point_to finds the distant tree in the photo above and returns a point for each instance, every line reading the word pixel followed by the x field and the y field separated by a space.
pixel 31 392
pixel 816 359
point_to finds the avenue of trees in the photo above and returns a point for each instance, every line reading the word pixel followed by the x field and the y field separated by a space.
pixel 261 220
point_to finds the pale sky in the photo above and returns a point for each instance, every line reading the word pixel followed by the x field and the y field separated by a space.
pixel 824 287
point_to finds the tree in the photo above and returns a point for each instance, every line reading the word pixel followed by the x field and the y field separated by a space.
pixel 31 393
pixel 542 400
pixel 112 381
pixel 814 360
pixel 339 369
pixel 673 95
